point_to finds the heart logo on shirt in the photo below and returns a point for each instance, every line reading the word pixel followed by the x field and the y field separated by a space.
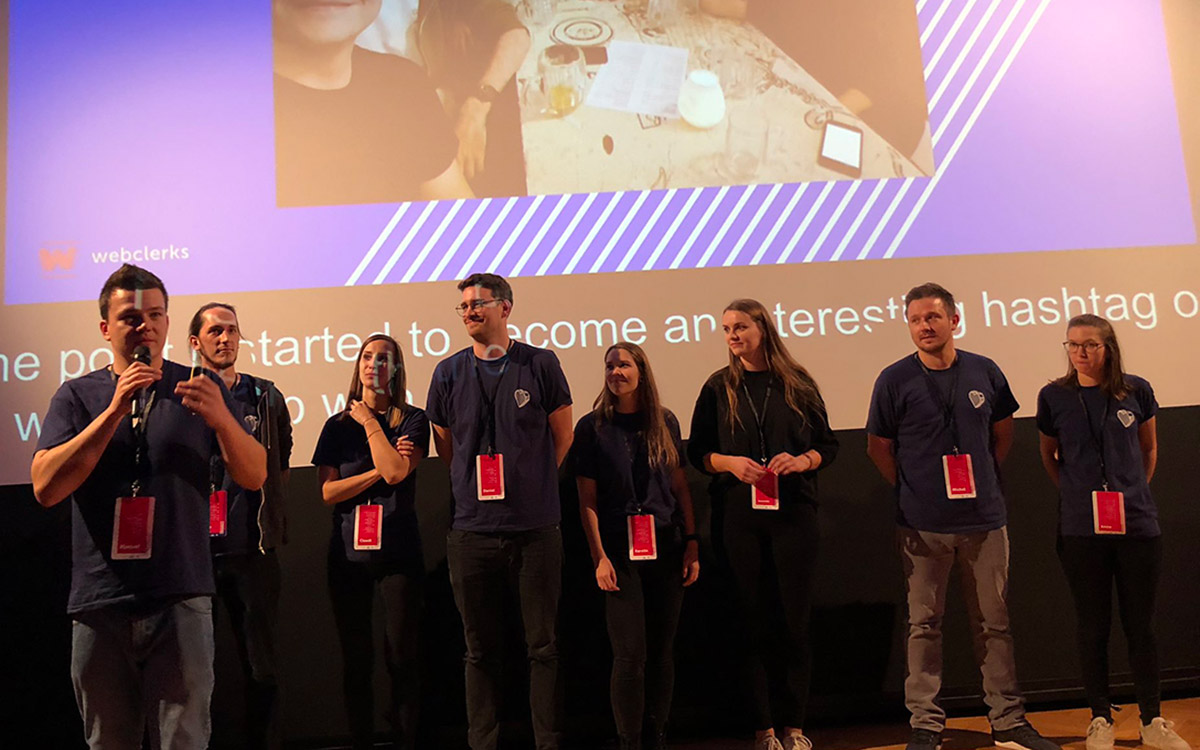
pixel 977 399
pixel 252 422
pixel 522 397
pixel 1126 417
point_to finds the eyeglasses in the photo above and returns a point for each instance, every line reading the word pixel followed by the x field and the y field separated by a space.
pixel 1088 346
pixel 476 304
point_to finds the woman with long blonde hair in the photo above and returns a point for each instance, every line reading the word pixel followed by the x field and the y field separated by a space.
pixel 760 429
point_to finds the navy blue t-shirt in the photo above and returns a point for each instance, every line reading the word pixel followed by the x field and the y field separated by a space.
pixel 1113 424
pixel 615 454
pixel 343 445
pixel 180 448
pixel 908 407
pixel 241 510
pixel 529 385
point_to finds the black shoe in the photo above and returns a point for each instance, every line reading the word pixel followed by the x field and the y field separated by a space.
pixel 1022 737
pixel 923 739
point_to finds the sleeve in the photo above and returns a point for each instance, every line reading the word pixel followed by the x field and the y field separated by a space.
pixel 230 402
pixel 327 452
pixel 556 393
pixel 493 18
pixel 1006 402
pixel 416 428
pixel 824 441
pixel 882 420
pixel 284 428
pixel 583 449
pixel 1146 400
pixel 436 407
pixel 64 419
pixel 1045 414
pixel 703 438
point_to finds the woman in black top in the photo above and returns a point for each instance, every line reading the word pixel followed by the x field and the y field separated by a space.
pixel 628 464
pixel 1099 445
pixel 366 460
pixel 761 422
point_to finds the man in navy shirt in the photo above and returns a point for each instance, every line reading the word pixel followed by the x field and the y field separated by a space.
pixel 131 446
pixel 940 423
pixel 501 416
pixel 244 562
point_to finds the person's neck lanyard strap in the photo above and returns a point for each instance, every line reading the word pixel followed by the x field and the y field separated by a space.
pixel 489 400
pixel 1097 440
pixel 949 420
pixel 141 447
pixel 759 419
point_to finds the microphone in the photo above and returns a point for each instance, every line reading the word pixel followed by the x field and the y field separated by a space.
pixel 140 396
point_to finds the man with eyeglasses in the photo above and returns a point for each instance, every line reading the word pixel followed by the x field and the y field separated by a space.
pixel 939 426
pixel 501 415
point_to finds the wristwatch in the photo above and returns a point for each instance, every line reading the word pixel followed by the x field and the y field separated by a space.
pixel 486 93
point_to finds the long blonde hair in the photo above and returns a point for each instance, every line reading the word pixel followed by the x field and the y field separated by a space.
pixel 660 445
pixel 800 391
pixel 397 390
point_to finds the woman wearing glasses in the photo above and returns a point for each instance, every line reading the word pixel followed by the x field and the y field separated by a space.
pixel 366 459
pixel 760 429
pixel 637 514
pixel 1098 444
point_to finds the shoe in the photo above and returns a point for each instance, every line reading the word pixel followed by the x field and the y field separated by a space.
pixel 1100 734
pixel 923 739
pixel 770 742
pixel 796 742
pixel 1161 735
pixel 1022 737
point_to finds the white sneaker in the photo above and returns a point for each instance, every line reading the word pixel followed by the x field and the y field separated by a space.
pixel 770 742
pixel 1161 735
pixel 1100 734
pixel 796 742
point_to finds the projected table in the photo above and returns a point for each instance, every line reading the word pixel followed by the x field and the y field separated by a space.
pixel 600 150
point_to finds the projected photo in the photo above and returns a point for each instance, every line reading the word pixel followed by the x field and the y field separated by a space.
pixel 399 100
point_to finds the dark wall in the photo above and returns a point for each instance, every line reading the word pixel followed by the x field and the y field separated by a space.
pixel 858 621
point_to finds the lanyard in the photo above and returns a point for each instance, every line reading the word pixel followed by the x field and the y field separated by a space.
pixel 949 419
pixel 759 421
pixel 489 400
pixel 1097 440
pixel 141 447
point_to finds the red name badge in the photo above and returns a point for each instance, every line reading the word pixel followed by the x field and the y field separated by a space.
pixel 489 476
pixel 368 527
pixel 643 542
pixel 133 528
pixel 764 494
pixel 960 476
pixel 218 508
pixel 1108 512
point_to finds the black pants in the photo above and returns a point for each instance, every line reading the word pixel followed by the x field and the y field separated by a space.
pixel 759 542
pixel 352 590
pixel 642 617
pixel 248 586
pixel 484 569
pixel 1092 564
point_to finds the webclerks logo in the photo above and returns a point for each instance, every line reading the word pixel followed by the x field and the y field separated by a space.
pixel 141 254
pixel 57 258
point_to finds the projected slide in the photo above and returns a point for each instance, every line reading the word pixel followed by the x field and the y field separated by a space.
pixel 634 135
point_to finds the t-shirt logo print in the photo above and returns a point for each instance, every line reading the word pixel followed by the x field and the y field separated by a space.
pixel 251 422
pixel 977 399
pixel 522 397
pixel 1126 417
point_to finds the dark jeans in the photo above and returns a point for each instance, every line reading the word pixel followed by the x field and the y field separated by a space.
pixel 484 569
pixel 642 617
pixel 1092 564
pixel 152 670
pixel 248 586
pixel 352 590
pixel 785 541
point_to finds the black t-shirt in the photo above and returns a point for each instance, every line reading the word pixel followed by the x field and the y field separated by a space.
pixel 1079 427
pixel 785 431
pixel 241 522
pixel 179 450
pixel 343 445
pixel 373 141
pixel 615 454
pixel 529 385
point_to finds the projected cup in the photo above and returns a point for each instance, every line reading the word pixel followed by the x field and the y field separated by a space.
pixel 747 135
pixel 539 12
pixel 564 77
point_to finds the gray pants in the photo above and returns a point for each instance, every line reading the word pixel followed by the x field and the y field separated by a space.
pixel 983 563
pixel 134 672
